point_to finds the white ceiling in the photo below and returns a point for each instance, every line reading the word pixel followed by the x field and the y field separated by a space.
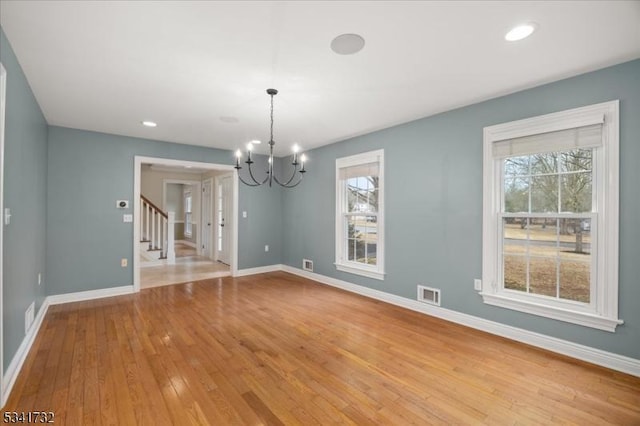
pixel 105 66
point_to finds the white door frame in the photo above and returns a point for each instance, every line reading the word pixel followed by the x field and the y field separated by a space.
pixel 209 219
pixel 3 104
pixel 234 216
pixel 138 161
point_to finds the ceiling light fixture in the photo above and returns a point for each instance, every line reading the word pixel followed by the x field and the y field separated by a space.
pixel 271 177
pixel 520 32
pixel 347 44
pixel 149 123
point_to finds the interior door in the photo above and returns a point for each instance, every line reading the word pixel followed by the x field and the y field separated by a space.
pixel 207 217
pixel 224 218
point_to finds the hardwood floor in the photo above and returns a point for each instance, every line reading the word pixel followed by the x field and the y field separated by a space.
pixel 279 349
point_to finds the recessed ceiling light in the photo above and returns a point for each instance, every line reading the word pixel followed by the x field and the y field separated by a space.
pixel 149 123
pixel 347 44
pixel 255 142
pixel 228 119
pixel 520 32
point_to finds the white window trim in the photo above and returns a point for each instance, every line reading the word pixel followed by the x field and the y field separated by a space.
pixel 187 194
pixel 604 312
pixel 370 271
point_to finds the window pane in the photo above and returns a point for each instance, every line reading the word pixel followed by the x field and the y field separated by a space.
pixel 357 233
pixel 575 278
pixel 362 194
pixel 516 195
pixel 545 163
pixel 576 160
pixel 515 235
pixel 516 166
pixel 575 192
pixel 515 272
pixel 370 238
pixel 543 275
pixel 544 194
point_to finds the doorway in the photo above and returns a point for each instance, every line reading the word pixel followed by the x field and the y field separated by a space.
pixel 186 268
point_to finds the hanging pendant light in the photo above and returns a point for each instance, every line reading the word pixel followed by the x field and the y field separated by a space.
pixel 271 177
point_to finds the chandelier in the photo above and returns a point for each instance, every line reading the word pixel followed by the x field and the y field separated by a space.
pixel 270 175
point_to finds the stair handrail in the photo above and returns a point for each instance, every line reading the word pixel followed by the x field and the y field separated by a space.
pixel 158 209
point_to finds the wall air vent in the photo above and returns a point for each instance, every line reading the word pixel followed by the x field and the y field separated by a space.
pixel 307 265
pixel 29 316
pixel 429 295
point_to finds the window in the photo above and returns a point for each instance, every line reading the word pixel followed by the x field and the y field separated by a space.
pixel 360 214
pixel 550 219
pixel 188 201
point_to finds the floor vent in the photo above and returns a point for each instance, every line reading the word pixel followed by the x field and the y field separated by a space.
pixel 307 265
pixel 429 295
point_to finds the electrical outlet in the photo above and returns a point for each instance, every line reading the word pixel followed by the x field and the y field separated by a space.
pixel 266 248
pixel 477 284
pixel 39 278
pixel 244 215
pixel 124 262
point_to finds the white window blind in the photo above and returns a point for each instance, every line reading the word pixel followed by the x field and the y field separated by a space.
pixel 563 140
pixel 369 169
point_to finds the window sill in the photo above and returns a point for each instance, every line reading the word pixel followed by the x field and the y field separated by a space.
pixel 360 271
pixel 574 317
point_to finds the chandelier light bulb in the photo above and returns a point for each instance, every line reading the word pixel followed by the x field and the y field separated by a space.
pixel 296 148
pixel 238 154
pixel 249 147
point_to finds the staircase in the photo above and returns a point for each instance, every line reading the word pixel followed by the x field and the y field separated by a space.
pixel 156 233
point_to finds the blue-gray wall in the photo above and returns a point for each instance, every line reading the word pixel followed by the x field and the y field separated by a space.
pixel 86 237
pixel 433 203
pixel 25 193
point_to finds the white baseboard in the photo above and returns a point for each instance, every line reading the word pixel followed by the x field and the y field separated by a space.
pixel 258 270
pixel 89 295
pixel 15 366
pixel 19 358
pixel 585 353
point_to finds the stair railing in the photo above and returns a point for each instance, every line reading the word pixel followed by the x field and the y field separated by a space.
pixel 157 228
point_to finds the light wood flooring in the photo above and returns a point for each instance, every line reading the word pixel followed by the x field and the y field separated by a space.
pixel 278 349
pixel 186 269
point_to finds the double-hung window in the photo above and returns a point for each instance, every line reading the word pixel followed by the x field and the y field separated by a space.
pixel 550 220
pixel 360 214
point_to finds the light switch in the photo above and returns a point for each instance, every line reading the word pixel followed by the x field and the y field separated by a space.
pixel 244 215
pixel 7 216
pixel 127 218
